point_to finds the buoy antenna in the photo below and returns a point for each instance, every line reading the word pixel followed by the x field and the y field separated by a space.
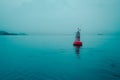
pixel 78 29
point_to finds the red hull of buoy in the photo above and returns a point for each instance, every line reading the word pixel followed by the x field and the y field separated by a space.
pixel 77 43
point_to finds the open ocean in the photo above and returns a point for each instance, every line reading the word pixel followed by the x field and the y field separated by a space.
pixel 53 57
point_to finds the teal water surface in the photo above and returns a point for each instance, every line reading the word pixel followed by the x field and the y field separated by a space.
pixel 53 57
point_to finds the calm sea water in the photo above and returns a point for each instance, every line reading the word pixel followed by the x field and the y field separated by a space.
pixel 53 57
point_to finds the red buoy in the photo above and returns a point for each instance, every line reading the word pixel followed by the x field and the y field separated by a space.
pixel 77 43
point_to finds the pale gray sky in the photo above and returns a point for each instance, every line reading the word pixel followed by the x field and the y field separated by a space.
pixel 60 16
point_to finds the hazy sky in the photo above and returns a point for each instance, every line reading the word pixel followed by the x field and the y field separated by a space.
pixel 60 16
